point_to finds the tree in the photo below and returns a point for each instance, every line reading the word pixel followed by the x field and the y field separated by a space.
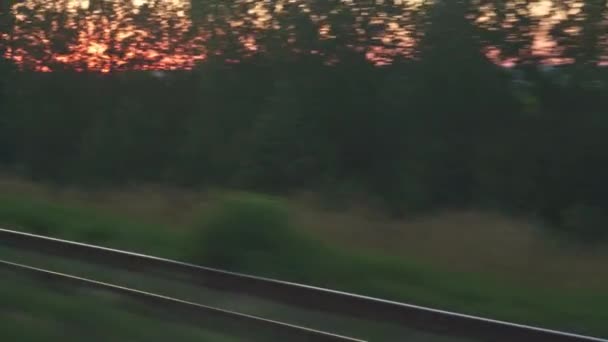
pixel 510 28
pixel 584 35
pixel 460 104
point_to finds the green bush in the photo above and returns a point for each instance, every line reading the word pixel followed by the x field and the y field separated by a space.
pixel 253 233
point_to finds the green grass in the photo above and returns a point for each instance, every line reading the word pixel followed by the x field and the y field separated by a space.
pixel 88 225
pixel 254 234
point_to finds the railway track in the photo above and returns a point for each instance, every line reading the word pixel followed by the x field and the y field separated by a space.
pixel 202 315
pixel 304 296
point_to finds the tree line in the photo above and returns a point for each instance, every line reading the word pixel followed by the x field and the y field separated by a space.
pixel 443 126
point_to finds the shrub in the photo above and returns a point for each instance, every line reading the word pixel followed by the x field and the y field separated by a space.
pixel 253 233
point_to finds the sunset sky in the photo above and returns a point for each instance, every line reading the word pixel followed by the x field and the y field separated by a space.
pixel 105 44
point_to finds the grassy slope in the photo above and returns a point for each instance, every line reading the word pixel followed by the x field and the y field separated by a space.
pixel 367 273
pixel 506 248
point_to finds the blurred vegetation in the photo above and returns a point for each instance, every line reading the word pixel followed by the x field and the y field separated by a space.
pixel 251 233
pixel 446 128
pixel 443 126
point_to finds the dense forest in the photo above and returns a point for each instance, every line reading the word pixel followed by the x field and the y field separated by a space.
pixel 429 106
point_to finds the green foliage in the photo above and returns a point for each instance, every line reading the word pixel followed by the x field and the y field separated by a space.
pixel 7 75
pixel 448 128
pixel 84 224
pixel 252 233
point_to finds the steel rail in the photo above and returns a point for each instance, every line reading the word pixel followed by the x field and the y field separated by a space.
pixel 205 315
pixel 316 298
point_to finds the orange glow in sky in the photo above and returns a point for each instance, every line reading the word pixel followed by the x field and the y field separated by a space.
pixel 112 35
pixel 106 35
pixel 100 42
